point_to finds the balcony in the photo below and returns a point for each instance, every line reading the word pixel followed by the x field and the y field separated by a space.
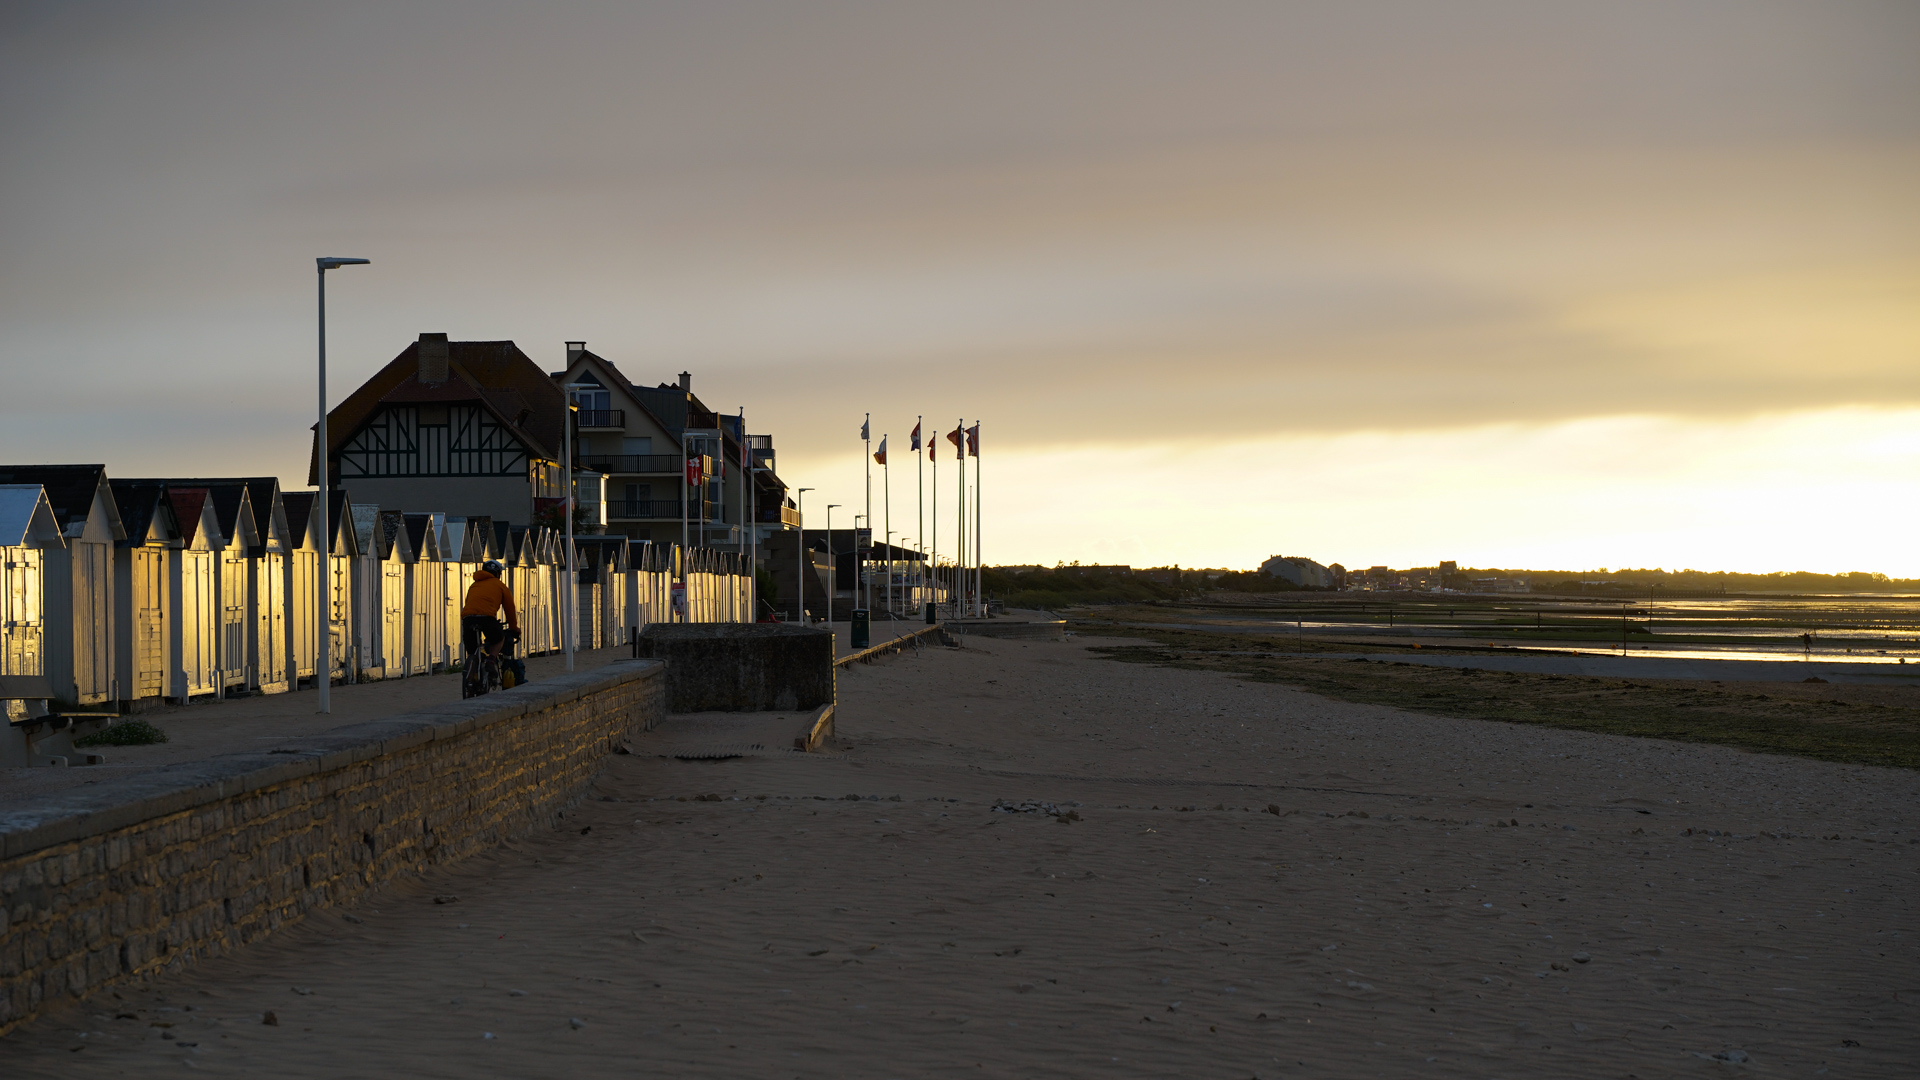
pixel 656 510
pixel 591 419
pixel 779 515
pixel 634 464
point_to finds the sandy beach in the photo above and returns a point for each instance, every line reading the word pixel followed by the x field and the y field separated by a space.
pixel 1021 859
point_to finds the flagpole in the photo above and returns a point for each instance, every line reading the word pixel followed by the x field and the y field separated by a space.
pixel 979 562
pixel 886 499
pixel 866 585
pixel 960 555
pixel 933 452
pixel 920 494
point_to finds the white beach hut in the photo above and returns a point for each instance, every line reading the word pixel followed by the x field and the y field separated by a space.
pixel 28 530
pixel 143 572
pixel 79 580
pixel 193 595
pixel 426 596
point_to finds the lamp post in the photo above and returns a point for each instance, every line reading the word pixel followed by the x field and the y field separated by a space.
pixel 800 555
pixel 323 664
pixel 570 625
pixel 833 565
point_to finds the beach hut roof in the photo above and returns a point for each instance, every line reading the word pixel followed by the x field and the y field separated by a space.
pixel 73 492
pixel 266 523
pixel 145 514
pixel 193 510
pixel 26 517
pixel 392 532
pixel 423 536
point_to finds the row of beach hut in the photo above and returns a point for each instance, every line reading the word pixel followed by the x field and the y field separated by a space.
pixel 123 594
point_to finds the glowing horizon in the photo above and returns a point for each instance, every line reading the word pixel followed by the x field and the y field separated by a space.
pixel 1515 284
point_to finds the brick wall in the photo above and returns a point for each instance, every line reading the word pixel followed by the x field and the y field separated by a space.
pixel 143 875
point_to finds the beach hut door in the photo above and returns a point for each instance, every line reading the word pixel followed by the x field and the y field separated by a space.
pixel 22 621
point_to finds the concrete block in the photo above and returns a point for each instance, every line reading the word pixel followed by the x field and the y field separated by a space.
pixel 733 667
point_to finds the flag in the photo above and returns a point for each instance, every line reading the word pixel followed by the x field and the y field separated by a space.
pixel 863 429
pixel 973 439
pixel 933 451
pixel 916 436
pixel 693 470
pixel 954 437
pixel 880 455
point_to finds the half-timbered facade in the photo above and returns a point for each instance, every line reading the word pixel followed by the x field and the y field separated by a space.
pixel 471 428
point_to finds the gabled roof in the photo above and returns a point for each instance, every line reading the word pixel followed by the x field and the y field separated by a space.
pixel 70 490
pixel 266 516
pixel 191 510
pixel 493 374
pixel 26 518
pixel 423 537
pixel 145 513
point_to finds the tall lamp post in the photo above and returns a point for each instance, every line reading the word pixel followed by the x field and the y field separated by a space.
pixel 323 664
pixel 570 625
pixel 833 564
pixel 800 556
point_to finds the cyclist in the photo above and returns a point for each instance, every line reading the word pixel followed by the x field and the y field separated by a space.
pixel 479 616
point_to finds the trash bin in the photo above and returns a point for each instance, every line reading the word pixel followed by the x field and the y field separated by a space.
pixel 862 631
pixel 929 613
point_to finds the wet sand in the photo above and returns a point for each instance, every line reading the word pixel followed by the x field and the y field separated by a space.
pixel 1234 879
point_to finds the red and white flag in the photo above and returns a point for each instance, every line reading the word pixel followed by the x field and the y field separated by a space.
pixel 880 455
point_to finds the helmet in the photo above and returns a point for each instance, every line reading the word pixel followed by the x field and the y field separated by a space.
pixel 492 566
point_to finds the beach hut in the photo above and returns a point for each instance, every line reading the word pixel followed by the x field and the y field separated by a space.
pixel 232 506
pixel 426 596
pixel 394 557
pixel 79 579
pixel 466 549
pixel 142 573
pixel 342 560
pixel 28 530
pixel 194 596
pixel 272 645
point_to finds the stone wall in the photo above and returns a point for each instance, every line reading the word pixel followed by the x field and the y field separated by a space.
pixel 143 875
pixel 742 667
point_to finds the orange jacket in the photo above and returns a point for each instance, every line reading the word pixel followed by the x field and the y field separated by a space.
pixel 487 595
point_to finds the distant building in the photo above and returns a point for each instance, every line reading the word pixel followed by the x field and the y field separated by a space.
pixel 1301 571
pixel 471 427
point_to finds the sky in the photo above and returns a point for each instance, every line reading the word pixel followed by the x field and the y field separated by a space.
pixel 1522 284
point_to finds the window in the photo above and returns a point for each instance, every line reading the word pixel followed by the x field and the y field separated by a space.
pixel 591 398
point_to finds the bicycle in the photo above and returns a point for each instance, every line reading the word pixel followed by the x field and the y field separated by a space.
pixel 479 678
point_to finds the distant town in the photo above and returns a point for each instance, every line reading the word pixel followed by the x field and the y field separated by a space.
pixel 1289 573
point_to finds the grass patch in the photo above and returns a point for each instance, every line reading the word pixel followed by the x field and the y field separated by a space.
pixel 124 733
pixel 1857 724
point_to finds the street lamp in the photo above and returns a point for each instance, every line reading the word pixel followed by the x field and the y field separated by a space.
pixel 800 555
pixel 570 595
pixel 833 564
pixel 323 664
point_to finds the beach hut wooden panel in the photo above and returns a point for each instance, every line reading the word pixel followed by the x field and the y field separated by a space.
pixel 426 596
pixel 369 593
pixel 343 556
pixel 528 576
pixel 394 559
pixel 28 530
pixel 143 571
pixel 272 646
pixel 195 595
pixel 465 550
pixel 303 582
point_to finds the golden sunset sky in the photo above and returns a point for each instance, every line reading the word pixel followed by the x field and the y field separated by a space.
pixel 1529 284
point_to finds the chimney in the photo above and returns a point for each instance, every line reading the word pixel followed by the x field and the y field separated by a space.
pixel 574 349
pixel 686 381
pixel 433 359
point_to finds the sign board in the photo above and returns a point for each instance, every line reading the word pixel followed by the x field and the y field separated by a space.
pixel 863 541
pixel 680 599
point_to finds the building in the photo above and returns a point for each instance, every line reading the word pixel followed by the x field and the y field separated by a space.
pixel 472 428
pixel 642 438
pixel 1301 571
